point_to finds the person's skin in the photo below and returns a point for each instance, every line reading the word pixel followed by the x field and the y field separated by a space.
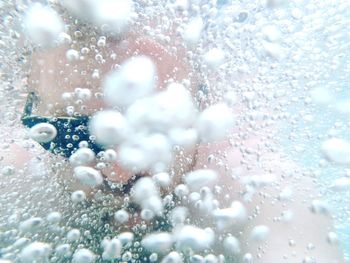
pixel 52 74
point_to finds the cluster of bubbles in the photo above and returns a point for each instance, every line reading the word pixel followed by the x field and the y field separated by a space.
pixel 252 53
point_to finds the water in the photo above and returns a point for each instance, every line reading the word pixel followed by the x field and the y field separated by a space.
pixel 174 131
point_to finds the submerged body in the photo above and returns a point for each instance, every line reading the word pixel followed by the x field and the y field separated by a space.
pixel 218 192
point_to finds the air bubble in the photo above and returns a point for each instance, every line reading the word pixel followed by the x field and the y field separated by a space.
pixel 121 216
pixel 78 196
pixel 126 238
pixel 259 233
pixel 88 176
pixel 337 151
pixel 332 238
pixel 203 177
pixel 320 207
pixel 83 255
pixel 82 156
pixel 193 31
pixel 31 225
pixel 158 242
pixel 43 25
pixel 73 235
pixel 54 217
pixel 232 246
pixel 43 132
pixel 172 257
pixel 227 217
pixel 109 127
pixel 63 250
pixel 35 252
pixel 8 170
pixel 112 249
pixel 193 237
pixel 123 87
pixel 162 179
pixel 214 58
pixel 72 55
pixel 215 122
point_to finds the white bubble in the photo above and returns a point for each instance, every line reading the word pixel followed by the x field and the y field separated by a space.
pixel 35 252
pixel 321 95
pixel 83 156
pixel 181 4
pixel 112 249
pixel 162 179
pixel 72 55
pixel 226 217
pixel 73 235
pixel 214 57
pixel 88 176
pixel 261 180
pixel 276 3
pixel 176 106
pixel 186 138
pixel 146 194
pixel 78 196
pixel 126 238
pixel 109 127
pixel 341 184
pixel 197 259
pixel 247 258
pixel 121 216
pixel 110 156
pixel 286 194
pixel 232 245
pixel 135 79
pixel 63 250
pixel 43 25
pixel 54 217
pixel 64 38
pixel 181 190
pixel 211 259
pixel 154 204
pixel 178 215
pixel 83 255
pixel 199 178
pixel 8 170
pixel 83 94
pixel 332 238
pixel 172 257
pixel 259 233
pixel 193 31
pixel 337 151
pixel 271 33
pixel 273 50
pixel 193 237
pixel 115 14
pixel 215 122
pixel 43 132
pixel 112 16
pixel 158 242
pixel 169 109
pixel 146 152
pixel 230 98
pixel 144 188
pixel 320 207
pixel 21 242
pixel 31 225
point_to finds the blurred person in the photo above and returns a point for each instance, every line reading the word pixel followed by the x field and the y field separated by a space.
pixel 275 223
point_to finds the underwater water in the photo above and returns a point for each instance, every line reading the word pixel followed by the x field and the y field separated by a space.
pixel 174 131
